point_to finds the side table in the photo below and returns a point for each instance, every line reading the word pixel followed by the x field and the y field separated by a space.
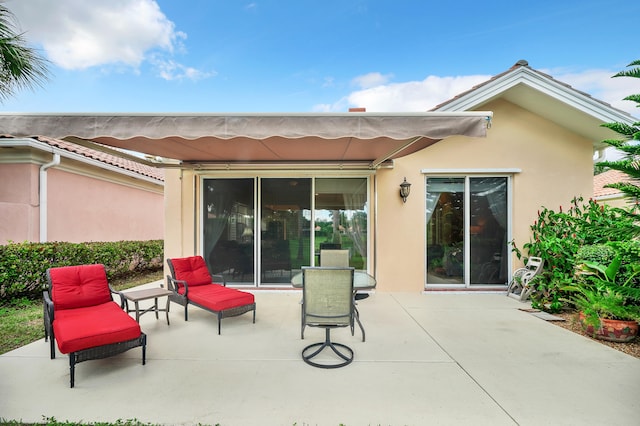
pixel 153 293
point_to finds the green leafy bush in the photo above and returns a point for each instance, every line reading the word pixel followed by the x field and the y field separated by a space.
pixel 557 237
pixel 23 266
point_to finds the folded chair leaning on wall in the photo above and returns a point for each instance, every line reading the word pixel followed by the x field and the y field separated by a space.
pixel 328 303
pixel 81 316
pixel 191 283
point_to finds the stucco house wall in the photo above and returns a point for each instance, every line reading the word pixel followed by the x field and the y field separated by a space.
pixel 546 156
pixel 86 199
pixel 18 202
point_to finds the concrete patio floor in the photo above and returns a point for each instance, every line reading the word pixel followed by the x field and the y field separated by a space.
pixel 429 359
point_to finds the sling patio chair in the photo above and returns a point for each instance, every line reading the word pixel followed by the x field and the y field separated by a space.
pixel 332 257
pixel 327 303
pixel 81 316
pixel 191 283
pixel 520 286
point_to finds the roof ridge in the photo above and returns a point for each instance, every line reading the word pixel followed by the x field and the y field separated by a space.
pixel 522 63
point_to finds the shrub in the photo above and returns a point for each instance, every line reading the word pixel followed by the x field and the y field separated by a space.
pixel 23 266
pixel 557 237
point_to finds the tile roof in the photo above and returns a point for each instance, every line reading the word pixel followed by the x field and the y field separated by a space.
pixel 604 178
pixel 113 160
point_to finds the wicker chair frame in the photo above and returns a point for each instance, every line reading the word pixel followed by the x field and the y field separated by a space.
pixel 96 352
pixel 174 284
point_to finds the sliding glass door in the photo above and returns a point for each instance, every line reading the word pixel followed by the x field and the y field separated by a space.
pixel 341 218
pixel 466 230
pixel 228 228
pixel 285 210
pixel 295 218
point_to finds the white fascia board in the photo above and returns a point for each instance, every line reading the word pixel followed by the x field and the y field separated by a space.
pixel 488 171
pixel 35 144
pixel 545 85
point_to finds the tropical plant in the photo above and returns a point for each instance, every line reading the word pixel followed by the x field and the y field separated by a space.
pixel 558 235
pixel 630 164
pixel 20 66
pixel 604 293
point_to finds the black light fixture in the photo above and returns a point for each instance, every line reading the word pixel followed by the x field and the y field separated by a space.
pixel 405 189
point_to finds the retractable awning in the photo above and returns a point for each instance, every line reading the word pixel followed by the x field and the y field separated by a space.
pixel 256 138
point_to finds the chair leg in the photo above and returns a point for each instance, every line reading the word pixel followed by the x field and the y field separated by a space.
pixel 219 321
pixel 346 354
pixel 144 350
pixel 72 368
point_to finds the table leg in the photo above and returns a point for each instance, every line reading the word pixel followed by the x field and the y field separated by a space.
pixel 166 309
pixel 357 315
pixel 137 311
pixel 155 306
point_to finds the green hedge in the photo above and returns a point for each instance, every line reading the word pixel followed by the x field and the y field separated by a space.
pixel 23 266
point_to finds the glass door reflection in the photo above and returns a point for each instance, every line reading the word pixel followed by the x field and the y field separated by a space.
pixel 284 228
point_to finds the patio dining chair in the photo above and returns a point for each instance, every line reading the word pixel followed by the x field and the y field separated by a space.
pixel 327 303
pixel 520 286
pixel 339 258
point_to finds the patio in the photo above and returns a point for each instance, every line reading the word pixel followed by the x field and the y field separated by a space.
pixel 429 359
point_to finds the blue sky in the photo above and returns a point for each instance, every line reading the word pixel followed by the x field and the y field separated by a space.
pixel 320 55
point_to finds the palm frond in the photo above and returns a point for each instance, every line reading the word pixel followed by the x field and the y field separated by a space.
pixel 634 72
pixel 20 65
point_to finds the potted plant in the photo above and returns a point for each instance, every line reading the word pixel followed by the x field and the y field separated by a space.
pixel 608 302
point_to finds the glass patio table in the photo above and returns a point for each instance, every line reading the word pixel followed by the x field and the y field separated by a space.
pixel 361 281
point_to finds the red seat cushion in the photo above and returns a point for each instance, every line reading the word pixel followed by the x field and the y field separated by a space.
pixel 79 286
pixel 219 298
pixel 192 269
pixel 83 328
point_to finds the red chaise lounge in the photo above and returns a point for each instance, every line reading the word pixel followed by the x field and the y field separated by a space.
pixel 193 284
pixel 81 316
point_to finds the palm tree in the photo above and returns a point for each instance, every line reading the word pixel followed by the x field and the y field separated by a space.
pixel 630 145
pixel 20 66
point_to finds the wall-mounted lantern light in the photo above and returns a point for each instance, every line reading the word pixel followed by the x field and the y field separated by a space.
pixel 405 189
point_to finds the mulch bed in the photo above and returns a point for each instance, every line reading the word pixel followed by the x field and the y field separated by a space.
pixel 572 323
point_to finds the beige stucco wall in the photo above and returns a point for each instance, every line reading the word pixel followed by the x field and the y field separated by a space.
pixel 180 214
pixel 555 166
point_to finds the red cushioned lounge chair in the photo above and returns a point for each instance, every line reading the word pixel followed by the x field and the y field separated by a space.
pixel 81 316
pixel 193 284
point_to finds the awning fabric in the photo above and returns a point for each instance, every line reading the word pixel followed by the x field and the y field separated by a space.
pixel 264 137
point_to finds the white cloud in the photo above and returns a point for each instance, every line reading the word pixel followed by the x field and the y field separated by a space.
pixel 426 94
pixel 78 34
pixel 372 79
pixel 408 97
pixel 171 70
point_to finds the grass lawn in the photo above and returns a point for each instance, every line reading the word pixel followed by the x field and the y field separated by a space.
pixel 21 321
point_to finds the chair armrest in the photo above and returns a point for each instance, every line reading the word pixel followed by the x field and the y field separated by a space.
pixel 172 285
pixel 215 278
pixel 48 307
pixel 123 300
